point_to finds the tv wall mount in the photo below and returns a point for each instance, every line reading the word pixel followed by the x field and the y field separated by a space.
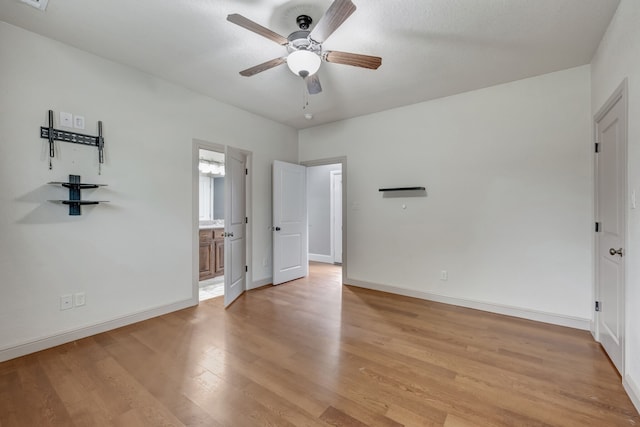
pixel 52 134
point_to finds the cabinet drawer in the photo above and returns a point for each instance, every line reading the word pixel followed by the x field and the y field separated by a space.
pixel 218 233
pixel 206 235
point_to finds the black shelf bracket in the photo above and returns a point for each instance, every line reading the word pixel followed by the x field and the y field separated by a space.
pixel 402 192
pixel 402 189
pixel 75 202
pixel 52 134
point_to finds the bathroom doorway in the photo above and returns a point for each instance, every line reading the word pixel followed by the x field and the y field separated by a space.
pixel 211 168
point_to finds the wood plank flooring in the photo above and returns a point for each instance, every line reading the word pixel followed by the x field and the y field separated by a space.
pixel 314 353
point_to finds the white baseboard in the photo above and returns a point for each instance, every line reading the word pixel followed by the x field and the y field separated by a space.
pixel 539 316
pixel 321 258
pixel 76 334
pixel 261 282
pixel 632 390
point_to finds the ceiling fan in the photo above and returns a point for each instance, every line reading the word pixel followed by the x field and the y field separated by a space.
pixel 305 47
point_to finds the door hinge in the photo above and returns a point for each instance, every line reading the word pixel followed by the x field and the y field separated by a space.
pixel 597 147
pixel 598 307
pixel 246 220
pixel 597 227
pixel 246 269
pixel 246 171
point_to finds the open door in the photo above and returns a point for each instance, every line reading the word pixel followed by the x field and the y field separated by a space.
pixel 235 241
pixel 290 230
pixel 610 194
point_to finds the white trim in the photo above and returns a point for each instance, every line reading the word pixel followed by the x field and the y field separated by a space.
pixel 539 316
pixel 321 258
pixel 86 331
pixel 632 390
pixel 332 208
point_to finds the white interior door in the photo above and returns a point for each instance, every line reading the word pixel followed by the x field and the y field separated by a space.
pixel 235 241
pixel 611 129
pixel 290 232
pixel 336 215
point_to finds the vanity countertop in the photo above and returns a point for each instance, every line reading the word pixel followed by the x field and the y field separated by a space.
pixel 210 226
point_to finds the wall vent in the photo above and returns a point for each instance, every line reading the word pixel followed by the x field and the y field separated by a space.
pixel 38 4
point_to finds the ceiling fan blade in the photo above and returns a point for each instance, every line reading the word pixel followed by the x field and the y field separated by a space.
pixel 262 67
pixel 313 84
pixel 337 13
pixel 257 28
pixel 354 59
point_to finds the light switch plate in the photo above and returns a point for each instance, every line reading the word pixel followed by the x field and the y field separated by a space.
pixel 66 119
pixel 78 122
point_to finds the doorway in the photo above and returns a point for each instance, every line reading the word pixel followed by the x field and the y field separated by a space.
pixel 211 213
pixel 326 206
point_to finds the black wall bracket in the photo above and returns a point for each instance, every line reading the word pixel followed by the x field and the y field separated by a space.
pixel 401 192
pixel 52 134
pixel 75 202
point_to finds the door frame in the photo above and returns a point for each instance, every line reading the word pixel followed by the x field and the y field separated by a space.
pixel 343 162
pixel 332 197
pixel 619 95
pixel 198 144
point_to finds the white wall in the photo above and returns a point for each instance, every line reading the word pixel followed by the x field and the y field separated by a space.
pixel 134 254
pixel 617 58
pixel 508 212
pixel 319 209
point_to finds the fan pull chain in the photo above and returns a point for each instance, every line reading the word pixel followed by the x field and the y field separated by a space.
pixel 305 97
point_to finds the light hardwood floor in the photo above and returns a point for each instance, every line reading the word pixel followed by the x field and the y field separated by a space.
pixel 313 353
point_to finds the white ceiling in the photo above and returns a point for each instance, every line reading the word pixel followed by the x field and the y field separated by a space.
pixel 429 48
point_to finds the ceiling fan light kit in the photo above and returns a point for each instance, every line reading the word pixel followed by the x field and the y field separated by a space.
pixel 303 62
pixel 305 47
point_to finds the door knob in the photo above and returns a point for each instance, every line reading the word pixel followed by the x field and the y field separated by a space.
pixel 228 234
pixel 277 228
pixel 615 252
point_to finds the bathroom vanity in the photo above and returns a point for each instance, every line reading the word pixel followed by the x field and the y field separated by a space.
pixel 211 252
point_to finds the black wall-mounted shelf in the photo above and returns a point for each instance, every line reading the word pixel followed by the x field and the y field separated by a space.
pixel 74 185
pixel 402 189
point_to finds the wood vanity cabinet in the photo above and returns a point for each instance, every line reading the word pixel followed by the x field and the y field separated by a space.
pixel 211 253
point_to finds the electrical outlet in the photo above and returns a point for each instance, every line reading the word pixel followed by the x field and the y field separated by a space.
pixel 78 122
pixel 444 275
pixel 79 299
pixel 66 302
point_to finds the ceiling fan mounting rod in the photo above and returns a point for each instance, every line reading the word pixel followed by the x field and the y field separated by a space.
pixel 304 22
